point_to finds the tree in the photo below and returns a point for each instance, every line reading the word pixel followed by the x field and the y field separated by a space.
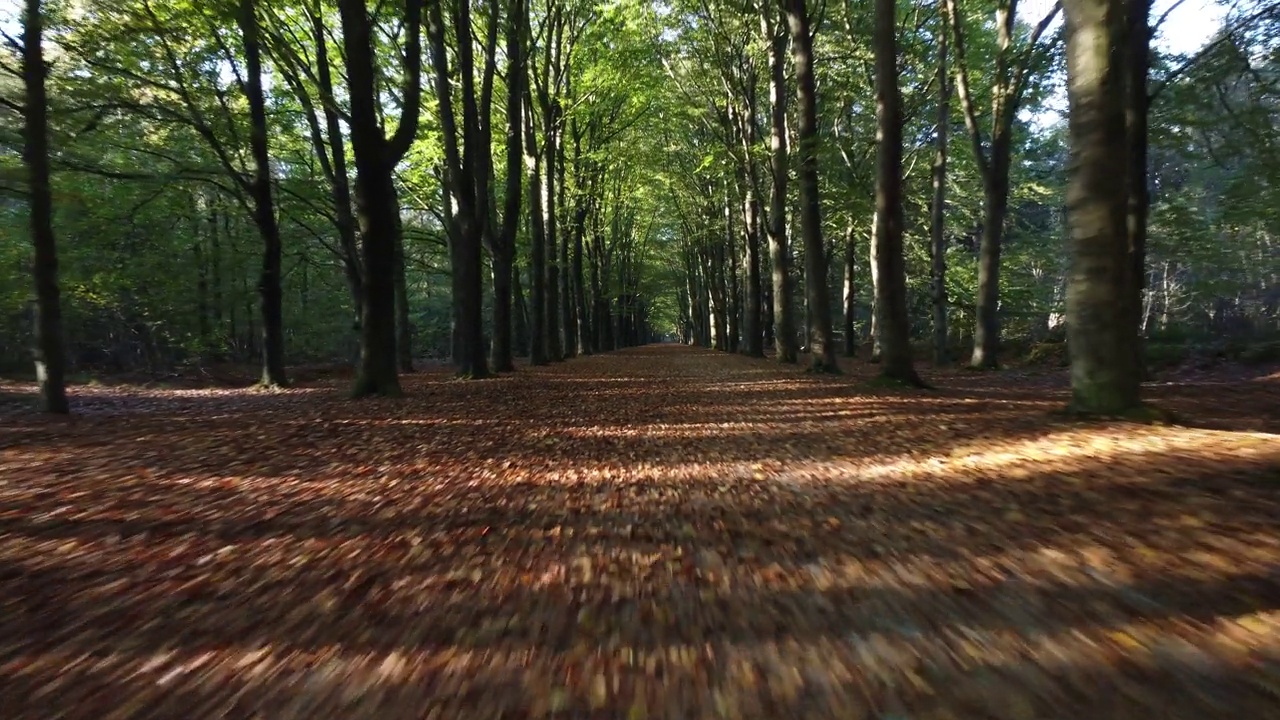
pixel 377 203
pixel 779 255
pixel 50 354
pixel 1104 370
pixel 938 204
pixel 891 291
pixel 1008 85
pixel 264 209
pixel 821 342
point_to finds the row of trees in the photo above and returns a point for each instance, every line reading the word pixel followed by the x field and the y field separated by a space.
pixel 927 89
pixel 562 177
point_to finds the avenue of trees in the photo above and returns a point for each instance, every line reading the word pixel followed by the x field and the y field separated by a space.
pixel 187 181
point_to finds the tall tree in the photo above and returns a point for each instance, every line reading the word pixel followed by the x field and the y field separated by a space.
pixel 784 335
pixel 377 203
pixel 502 244
pixel 891 285
pixel 821 341
pixel 264 208
pixel 1137 107
pixel 1104 368
pixel 50 353
pixel 994 157
pixel 938 204
pixel 468 173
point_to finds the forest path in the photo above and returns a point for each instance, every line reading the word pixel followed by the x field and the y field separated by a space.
pixel 655 533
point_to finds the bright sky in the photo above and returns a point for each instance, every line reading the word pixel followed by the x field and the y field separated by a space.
pixel 1188 27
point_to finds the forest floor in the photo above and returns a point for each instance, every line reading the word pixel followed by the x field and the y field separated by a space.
pixel 655 533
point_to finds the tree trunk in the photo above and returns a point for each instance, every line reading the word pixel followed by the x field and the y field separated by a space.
pixel 264 214
pixel 521 311
pixel 568 321
pixel 1138 63
pixel 377 209
pixel 877 307
pixel 753 335
pixel 938 207
pixel 850 296
pixel 1104 369
pixel 404 329
pixel 891 295
pixel 468 300
pixel 503 245
pixel 538 346
pixel 822 346
pixel 986 330
pixel 784 336
pixel 555 348
pixel 50 353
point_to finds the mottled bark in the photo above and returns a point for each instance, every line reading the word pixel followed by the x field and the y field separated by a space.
pixel 50 352
pixel 1104 369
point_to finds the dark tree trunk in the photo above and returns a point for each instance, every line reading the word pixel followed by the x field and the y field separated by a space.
pixel 1104 369
pixel 753 334
pixel 822 345
pixel 264 214
pixel 521 311
pixel 891 286
pixel 555 348
pixel 404 328
pixel 850 291
pixel 938 206
pixel 568 329
pixel 538 348
pixel 377 208
pixel 1137 67
pixel 784 336
pixel 50 353
pixel 504 243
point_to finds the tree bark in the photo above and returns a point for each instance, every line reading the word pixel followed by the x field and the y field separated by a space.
pixel 377 209
pixel 538 347
pixel 50 352
pixel 938 206
pixel 264 214
pixel 784 335
pixel 822 347
pixel 1104 369
pixel 404 329
pixel 891 295
pixel 1137 68
pixel 503 244
pixel 850 296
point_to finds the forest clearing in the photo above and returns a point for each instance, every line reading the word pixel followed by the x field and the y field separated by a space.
pixel 662 532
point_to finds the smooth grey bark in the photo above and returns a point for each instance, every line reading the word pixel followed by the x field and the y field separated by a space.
pixel 50 352
pixel 1104 370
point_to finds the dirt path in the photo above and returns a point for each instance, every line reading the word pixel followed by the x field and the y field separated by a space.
pixel 656 533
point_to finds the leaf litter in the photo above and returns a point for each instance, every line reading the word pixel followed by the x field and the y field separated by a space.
pixel 655 533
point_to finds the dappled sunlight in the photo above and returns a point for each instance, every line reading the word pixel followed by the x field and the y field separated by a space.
pixel 762 544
